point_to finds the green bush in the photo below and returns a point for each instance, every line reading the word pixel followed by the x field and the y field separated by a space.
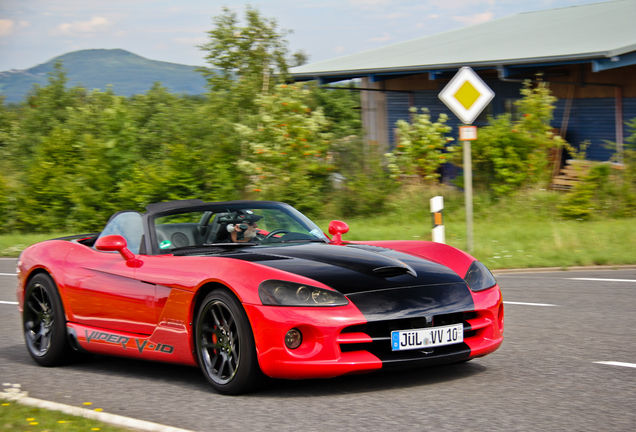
pixel 513 153
pixel 362 185
pixel 608 189
pixel 421 147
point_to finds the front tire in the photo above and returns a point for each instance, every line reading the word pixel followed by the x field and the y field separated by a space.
pixel 225 344
pixel 44 323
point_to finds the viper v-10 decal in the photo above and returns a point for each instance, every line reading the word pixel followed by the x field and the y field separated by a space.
pixel 126 342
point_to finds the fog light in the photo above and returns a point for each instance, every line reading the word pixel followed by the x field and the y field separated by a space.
pixel 293 339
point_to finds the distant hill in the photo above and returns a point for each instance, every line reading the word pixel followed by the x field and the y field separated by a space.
pixel 125 72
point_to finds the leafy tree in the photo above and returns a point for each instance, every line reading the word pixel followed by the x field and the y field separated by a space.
pixel 421 148
pixel 245 61
pixel 47 107
pixel 285 148
pixel 299 58
pixel 44 200
pixel 361 185
pixel 185 150
pixel 4 202
pixel 630 141
pixel 7 121
pixel 75 157
pixel 341 106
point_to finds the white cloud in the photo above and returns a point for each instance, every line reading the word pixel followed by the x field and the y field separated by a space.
pixel 192 41
pixel 474 19
pixel 381 39
pixel 95 25
pixel 8 27
pixel 369 3
pixel 460 4
pixel 397 15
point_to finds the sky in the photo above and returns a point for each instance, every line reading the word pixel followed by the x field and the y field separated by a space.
pixel 33 32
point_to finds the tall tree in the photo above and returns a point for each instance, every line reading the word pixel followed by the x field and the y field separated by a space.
pixel 245 60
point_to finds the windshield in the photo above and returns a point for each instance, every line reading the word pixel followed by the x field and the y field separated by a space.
pixel 234 225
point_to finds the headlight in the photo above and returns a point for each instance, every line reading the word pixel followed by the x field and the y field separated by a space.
pixel 282 293
pixel 479 278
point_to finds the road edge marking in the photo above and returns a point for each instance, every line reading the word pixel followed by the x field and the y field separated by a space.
pixel 603 280
pixel 112 419
pixel 530 304
pixel 615 363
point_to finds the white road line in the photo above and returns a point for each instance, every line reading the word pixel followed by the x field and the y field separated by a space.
pixel 8 274
pixel 530 304
pixel 603 280
pixel 613 363
pixel 8 302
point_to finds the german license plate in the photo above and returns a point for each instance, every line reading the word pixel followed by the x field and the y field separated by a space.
pixel 427 337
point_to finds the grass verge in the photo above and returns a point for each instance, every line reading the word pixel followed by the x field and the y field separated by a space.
pixel 523 231
pixel 15 417
pixel 12 244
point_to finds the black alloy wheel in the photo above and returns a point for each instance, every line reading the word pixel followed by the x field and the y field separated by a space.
pixel 44 322
pixel 225 344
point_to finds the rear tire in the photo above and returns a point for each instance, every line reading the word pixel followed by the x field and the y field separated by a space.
pixel 44 323
pixel 225 344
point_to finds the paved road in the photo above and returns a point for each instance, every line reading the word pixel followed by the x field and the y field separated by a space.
pixel 546 376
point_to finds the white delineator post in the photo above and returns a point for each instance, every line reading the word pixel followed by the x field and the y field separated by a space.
pixel 437 207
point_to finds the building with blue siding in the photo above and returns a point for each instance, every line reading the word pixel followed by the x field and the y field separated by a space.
pixel 587 54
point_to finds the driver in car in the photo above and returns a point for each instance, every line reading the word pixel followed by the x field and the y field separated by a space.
pixel 245 230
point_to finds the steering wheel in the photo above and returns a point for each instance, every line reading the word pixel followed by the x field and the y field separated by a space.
pixel 276 231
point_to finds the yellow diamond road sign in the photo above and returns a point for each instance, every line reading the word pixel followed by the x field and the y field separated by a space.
pixel 466 95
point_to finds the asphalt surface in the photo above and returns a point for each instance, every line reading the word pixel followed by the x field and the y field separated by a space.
pixel 546 376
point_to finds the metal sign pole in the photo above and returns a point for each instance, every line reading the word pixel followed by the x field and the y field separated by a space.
pixel 468 195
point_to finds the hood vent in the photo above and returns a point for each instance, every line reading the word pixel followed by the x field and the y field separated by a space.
pixel 393 271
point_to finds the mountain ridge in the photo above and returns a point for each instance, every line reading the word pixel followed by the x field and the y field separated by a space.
pixel 122 71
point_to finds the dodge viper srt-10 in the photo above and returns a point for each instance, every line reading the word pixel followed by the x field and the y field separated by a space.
pixel 247 289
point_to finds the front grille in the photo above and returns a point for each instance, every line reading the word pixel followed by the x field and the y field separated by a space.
pixel 378 338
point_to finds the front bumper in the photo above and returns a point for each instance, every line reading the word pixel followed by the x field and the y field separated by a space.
pixel 340 341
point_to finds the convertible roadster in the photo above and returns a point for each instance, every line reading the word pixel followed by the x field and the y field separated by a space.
pixel 247 289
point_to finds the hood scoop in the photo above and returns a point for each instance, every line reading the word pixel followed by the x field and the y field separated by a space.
pixel 393 271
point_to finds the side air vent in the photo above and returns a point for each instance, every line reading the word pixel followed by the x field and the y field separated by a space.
pixel 393 271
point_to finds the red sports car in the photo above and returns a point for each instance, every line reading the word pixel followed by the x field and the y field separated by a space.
pixel 247 288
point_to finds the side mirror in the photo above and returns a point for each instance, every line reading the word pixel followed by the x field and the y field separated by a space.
pixel 114 243
pixel 337 229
